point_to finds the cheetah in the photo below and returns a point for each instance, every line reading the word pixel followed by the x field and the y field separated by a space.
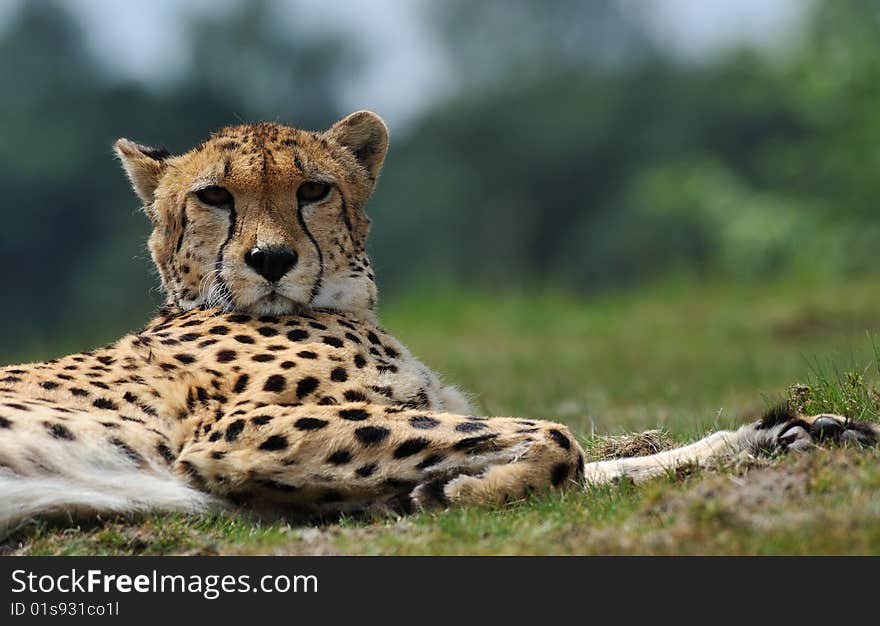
pixel 265 382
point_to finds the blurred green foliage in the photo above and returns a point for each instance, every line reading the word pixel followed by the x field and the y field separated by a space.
pixel 574 153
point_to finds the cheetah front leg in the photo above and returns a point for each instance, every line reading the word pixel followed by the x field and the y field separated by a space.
pixel 360 456
pixel 779 430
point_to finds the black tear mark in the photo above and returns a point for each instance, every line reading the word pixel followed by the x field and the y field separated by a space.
pixel 316 287
pixel 218 263
pixel 184 221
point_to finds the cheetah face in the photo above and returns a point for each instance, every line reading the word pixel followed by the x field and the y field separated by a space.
pixel 263 218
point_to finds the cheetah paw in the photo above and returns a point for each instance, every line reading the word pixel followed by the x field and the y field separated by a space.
pixel 783 430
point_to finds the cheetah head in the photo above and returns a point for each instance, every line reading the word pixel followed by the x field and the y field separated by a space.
pixel 263 218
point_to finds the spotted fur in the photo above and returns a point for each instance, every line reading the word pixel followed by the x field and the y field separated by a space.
pixel 281 392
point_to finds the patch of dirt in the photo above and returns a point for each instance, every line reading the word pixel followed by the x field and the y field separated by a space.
pixel 633 444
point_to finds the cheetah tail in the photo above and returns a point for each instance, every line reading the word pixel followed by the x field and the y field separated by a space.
pixel 48 478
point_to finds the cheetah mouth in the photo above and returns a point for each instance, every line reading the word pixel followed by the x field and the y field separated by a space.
pixel 273 303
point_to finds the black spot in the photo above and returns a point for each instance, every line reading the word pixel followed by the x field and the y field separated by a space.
pixel 190 337
pixel 185 358
pixel 59 432
pixel 306 386
pixel 776 415
pixel 268 319
pixel 310 423
pixel 244 339
pixel 317 325
pixel 5 423
pixel 371 435
pixel 234 430
pixel 559 473
pixel 336 342
pixel 165 452
pixel 307 354
pixel 276 486
pixel 352 337
pixel 297 334
pixel 215 435
pixel 352 395
pixel 430 460
pixel 267 331
pixel 359 361
pixel 219 330
pixel 218 454
pixel 391 352
pixel 275 442
pixel 104 403
pixel 471 443
pixel 410 447
pixel 366 470
pixel 260 420
pixel 128 451
pixel 241 383
pixel 397 483
pixel 470 427
pixel 423 422
pixel 286 365
pixel 276 383
pixel 48 384
pixel 340 457
pixel 225 356
pixel 561 439
pixel 263 358
pixel 238 318
pixel 373 338
pixel 193 473
pixel 354 415
pixel 339 375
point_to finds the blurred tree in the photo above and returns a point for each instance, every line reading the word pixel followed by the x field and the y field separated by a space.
pixel 72 247
pixel 573 152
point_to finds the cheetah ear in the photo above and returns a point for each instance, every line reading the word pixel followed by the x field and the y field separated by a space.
pixel 365 134
pixel 144 166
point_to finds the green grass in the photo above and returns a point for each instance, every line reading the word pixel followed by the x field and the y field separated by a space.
pixel 683 357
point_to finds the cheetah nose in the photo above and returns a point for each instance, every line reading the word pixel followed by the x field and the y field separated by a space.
pixel 271 263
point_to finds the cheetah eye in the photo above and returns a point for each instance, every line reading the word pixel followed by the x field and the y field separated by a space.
pixel 214 196
pixel 312 191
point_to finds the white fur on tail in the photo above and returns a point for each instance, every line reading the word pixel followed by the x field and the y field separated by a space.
pixel 42 476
